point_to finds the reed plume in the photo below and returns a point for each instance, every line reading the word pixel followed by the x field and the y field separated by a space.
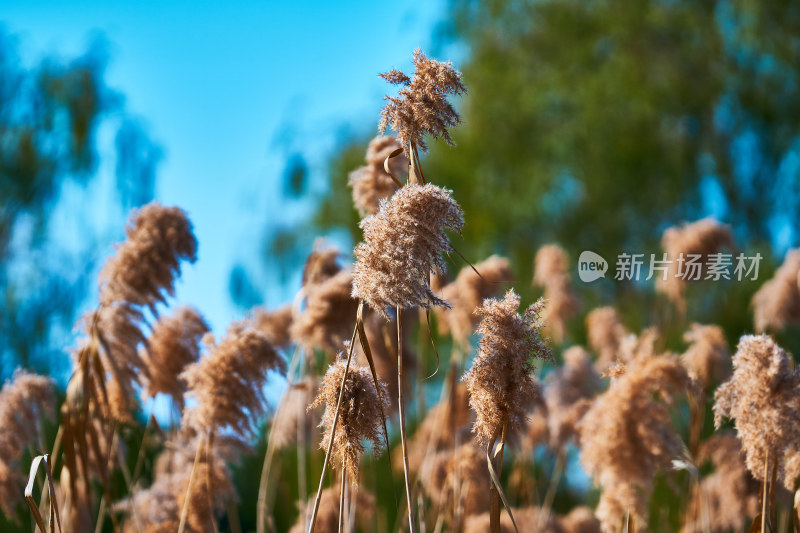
pixel 158 507
pixel 371 183
pixel 551 272
pixel 173 345
pixel 466 294
pixel 627 436
pixel 725 499
pixel 383 344
pixel 292 416
pixel 777 302
pixel 568 392
pixel 359 415
pixel 321 264
pixel 702 238
pixel 707 359
pixel 529 520
pixel 143 270
pixel 328 513
pixel 421 105
pixel 227 384
pixel 763 399
pixel 458 478
pixel 23 402
pixel 501 384
pixel 403 243
pixel 329 315
pixel 605 333
pixel 275 324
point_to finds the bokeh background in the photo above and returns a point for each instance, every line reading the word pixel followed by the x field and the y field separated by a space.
pixel 592 123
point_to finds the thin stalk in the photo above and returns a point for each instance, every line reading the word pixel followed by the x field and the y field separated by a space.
pixel 233 517
pixel 764 494
pixel 261 504
pixel 558 470
pixel 495 504
pixel 185 510
pixel 313 519
pixel 341 499
pixel 209 466
pixel 401 407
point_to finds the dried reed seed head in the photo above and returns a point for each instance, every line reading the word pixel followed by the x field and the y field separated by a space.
pixel 382 338
pixel 568 392
pixel 727 498
pixel 359 415
pixel 159 506
pixel 537 430
pixel 777 302
pixel 23 401
pixel 173 345
pixel 458 477
pixel 467 292
pixel 527 518
pixel 562 304
pixel 275 324
pixel 501 384
pixel 329 315
pixel 703 237
pixel 627 436
pixel 707 359
pixel 444 424
pixel 403 244
pixel 328 513
pixel 605 332
pixel 763 399
pixel 144 267
pixel 227 384
pixel 421 105
pixel 371 183
pixel 635 347
pixel 291 419
pixel 580 520
pixel 551 262
pixel 321 264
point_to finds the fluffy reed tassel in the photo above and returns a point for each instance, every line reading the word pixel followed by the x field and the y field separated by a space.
pixel 421 105
pixel 371 183
pixel 568 393
pixel 707 359
pixel 703 237
pixel 763 398
pixel 382 337
pixel 551 271
pixel 227 384
pixel 460 477
pixel 359 415
pixel 145 266
pixel 627 436
pixel 443 425
pixel 467 292
pixel 579 520
pixel 292 417
pixel 158 507
pixel 328 318
pixel 173 345
pixel 328 514
pixel 403 243
pixel 274 324
pixel 23 401
pixel 727 498
pixel 605 332
pixel 777 302
pixel 322 263
pixel 501 384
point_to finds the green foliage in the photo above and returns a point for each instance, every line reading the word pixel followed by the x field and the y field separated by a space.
pixel 49 116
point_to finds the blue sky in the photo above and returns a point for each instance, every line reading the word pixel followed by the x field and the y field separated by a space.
pixel 218 84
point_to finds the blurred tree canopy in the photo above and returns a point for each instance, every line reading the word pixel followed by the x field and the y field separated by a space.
pixel 50 114
pixel 597 124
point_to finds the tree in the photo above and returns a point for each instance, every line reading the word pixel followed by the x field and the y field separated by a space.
pixel 49 117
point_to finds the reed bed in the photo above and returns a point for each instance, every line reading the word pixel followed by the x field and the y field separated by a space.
pixel 351 445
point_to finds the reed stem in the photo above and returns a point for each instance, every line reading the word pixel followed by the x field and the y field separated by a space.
pixel 401 407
